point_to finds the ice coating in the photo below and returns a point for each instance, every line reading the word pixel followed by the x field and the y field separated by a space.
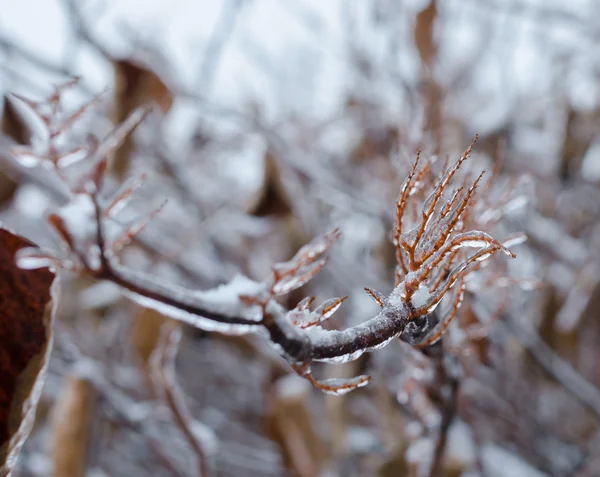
pixel 295 281
pixel 72 157
pixel 193 319
pixel 339 387
pixel 26 158
pixel 94 236
pixel 329 307
pixel 302 317
pixel 120 133
pixel 381 329
pixel 123 195
pixel 30 258
pixel 193 307
pixel 473 239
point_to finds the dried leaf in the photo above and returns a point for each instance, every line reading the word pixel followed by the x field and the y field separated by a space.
pixel 72 427
pixel 136 86
pixel 13 124
pixel 25 343
pixel 13 127
pixel 272 199
pixel 424 32
pixel 145 332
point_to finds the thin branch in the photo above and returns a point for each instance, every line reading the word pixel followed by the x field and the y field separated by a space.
pixel 443 391
pixel 164 370
pixel 245 306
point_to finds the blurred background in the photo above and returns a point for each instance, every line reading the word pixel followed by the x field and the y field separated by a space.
pixel 277 121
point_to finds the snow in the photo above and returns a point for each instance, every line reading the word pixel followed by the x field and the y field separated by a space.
pixel 421 296
pixel 223 300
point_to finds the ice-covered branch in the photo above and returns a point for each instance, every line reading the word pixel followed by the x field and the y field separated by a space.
pixel 430 260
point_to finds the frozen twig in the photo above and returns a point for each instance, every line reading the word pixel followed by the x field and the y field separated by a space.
pixel 163 367
pixel 430 248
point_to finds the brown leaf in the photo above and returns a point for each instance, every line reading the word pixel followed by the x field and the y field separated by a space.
pixel 71 427
pixel 136 86
pixel 579 133
pixel 272 199
pixel 26 304
pixel 424 29
pixel 145 332
pixel 13 127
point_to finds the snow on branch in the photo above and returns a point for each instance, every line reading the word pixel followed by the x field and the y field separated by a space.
pixel 429 257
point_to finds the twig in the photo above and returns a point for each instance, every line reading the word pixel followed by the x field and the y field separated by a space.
pixel 425 252
pixel 164 370
pixel 443 391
